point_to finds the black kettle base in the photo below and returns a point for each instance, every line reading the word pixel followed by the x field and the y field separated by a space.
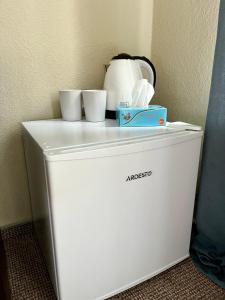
pixel 110 114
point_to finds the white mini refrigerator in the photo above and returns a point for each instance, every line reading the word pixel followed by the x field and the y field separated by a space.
pixel 111 206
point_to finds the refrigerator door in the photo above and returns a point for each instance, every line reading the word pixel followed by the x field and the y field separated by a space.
pixel 121 218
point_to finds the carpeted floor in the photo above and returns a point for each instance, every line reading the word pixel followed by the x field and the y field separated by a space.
pixel 28 278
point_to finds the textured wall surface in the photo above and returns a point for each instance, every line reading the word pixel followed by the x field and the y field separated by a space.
pixel 183 43
pixel 50 45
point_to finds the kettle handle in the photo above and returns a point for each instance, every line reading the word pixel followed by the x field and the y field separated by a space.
pixel 147 65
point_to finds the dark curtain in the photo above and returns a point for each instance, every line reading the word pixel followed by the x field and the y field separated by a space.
pixel 208 243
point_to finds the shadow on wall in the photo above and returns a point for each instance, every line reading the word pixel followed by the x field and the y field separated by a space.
pixel 13 181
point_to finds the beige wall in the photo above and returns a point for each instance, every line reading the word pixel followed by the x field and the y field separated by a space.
pixel 46 46
pixel 183 42
pixel 49 45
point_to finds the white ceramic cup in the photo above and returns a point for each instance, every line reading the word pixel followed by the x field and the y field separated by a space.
pixel 70 103
pixel 94 105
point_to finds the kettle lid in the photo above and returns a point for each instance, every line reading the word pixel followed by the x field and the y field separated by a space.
pixel 123 56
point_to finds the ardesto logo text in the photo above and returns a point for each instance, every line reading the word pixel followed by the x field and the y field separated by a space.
pixel 139 175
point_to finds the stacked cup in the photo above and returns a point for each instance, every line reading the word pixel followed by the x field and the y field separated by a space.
pixel 94 104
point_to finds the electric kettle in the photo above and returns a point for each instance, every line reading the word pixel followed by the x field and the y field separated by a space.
pixel 121 76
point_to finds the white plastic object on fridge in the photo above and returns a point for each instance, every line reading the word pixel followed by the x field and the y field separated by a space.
pixel 143 93
pixel 121 77
pixel 149 94
pixel 136 92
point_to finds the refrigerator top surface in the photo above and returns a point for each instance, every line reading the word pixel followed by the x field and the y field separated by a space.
pixel 57 134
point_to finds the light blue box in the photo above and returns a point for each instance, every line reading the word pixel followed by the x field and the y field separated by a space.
pixel 153 115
